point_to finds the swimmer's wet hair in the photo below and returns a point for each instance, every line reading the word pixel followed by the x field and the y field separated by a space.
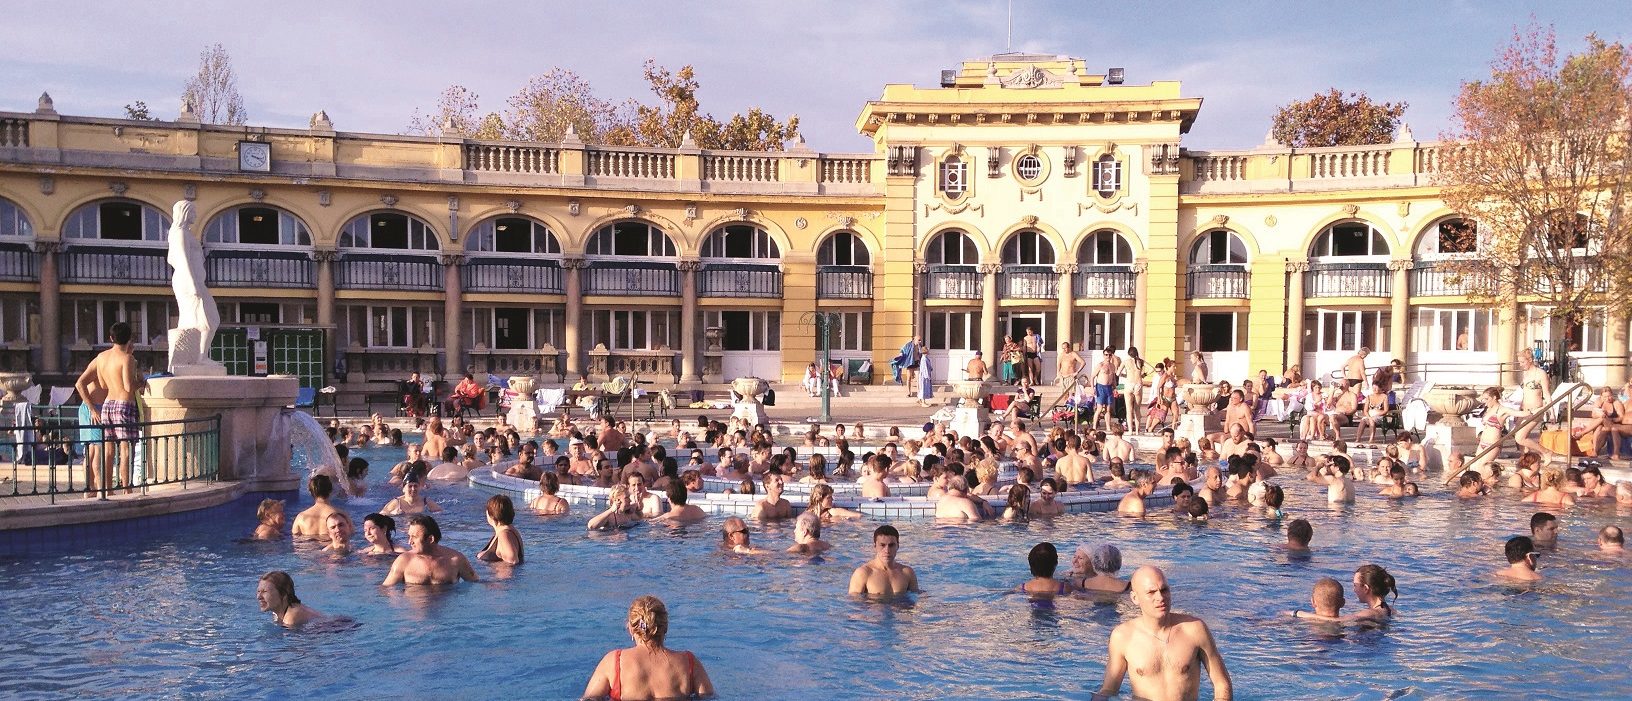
pixel 649 620
pixel 382 522
pixel 1379 580
pixel 1518 547
pixel 1044 560
pixel 283 584
pixel 320 486
pixel 501 509
pixel 888 530
pixel 1299 531
pixel 427 523
pixel 267 508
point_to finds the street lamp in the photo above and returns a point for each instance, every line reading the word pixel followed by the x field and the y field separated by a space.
pixel 824 322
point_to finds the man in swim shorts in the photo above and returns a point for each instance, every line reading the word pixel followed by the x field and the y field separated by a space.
pixel 114 371
pixel 1354 371
pixel 1104 387
pixel 428 562
pixel 1164 650
pixel 883 577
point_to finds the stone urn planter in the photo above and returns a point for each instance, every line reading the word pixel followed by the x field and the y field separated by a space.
pixel 14 383
pixel 1450 403
pixel 522 385
pixel 971 391
pixel 750 388
pixel 1200 397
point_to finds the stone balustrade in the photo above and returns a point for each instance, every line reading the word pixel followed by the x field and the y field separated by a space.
pixel 1275 168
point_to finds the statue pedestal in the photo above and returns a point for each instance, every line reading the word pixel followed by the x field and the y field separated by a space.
pixel 969 420
pixel 752 410
pixel 1440 437
pixel 249 409
pixel 523 414
pixel 186 343
pixel 1196 426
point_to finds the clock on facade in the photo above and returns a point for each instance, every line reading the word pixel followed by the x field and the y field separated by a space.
pixel 255 156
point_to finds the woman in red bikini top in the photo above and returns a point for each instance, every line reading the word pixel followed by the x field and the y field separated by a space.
pixel 648 670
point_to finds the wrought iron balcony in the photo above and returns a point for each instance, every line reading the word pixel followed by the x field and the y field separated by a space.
pixel 844 282
pixel 512 275
pixel 1218 281
pixel 614 277
pixel 953 282
pixel 1432 278
pixel 18 263
pixel 1105 282
pixel 1348 280
pixel 248 268
pixel 1028 282
pixel 117 265
pixel 739 280
pixel 373 271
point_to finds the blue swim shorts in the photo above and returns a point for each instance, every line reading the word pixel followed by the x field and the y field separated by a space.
pixel 1103 394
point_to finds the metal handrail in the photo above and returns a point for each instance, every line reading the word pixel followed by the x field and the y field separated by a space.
pixel 48 457
pixel 1539 415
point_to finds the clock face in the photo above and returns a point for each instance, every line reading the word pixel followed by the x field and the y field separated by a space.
pixel 254 155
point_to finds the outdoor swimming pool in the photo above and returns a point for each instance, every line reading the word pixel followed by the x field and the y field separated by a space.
pixel 175 616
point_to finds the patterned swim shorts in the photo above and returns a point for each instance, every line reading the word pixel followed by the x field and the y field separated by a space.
pixel 120 417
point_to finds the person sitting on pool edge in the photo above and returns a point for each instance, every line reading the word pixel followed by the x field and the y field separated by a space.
pixel 506 543
pixel 655 672
pixel 311 523
pixel 1521 560
pixel 276 593
pixel 428 561
pixel 269 517
pixel 1148 644
pixel 883 577
pixel 1044 559
pixel 807 535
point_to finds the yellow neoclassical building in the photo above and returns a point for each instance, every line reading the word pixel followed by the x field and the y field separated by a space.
pixel 1020 192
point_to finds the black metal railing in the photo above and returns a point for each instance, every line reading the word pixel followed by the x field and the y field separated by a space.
pixel 1105 282
pixel 1028 282
pixel 607 277
pixel 844 282
pixel 120 265
pixel 1433 278
pixel 1348 280
pixel 512 275
pixel 373 271
pixel 229 268
pixel 18 263
pixel 739 280
pixel 1217 281
pixel 953 282
pixel 55 457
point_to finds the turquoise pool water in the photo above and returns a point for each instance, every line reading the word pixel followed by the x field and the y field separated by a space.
pixel 174 615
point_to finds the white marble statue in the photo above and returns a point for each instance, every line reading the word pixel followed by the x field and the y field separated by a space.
pixel 198 316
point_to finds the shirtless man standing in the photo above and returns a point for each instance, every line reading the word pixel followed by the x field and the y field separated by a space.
pixel 1069 364
pixel 975 371
pixel 1117 447
pixel 1074 468
pixel 1164 650
pixel 313 522
pixel 1536 390
pixel 882 576
pixel 1105 387
pixel 1239 412
pixel 1354 371
pixel 1032 348
pixel 428 562
pixel 113 372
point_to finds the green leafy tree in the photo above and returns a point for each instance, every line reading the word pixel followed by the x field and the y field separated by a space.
pixel 213 91
pixel 1333 119
pixel 138 110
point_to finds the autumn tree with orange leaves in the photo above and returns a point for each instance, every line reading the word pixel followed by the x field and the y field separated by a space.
pixel 1333 119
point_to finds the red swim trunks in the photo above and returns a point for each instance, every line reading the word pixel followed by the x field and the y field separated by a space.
pixel 120 417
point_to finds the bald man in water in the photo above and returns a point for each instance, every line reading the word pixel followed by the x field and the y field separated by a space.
pixel 1164 650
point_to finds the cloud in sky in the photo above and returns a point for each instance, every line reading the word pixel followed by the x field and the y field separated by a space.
pixel 371 65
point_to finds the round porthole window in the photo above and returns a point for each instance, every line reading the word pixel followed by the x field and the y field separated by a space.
pixel 1028 167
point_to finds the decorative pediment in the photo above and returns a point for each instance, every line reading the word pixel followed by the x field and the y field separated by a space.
pixel 1031 77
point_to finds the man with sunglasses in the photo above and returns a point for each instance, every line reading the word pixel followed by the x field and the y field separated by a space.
pixel 735 532
pixel 1522 560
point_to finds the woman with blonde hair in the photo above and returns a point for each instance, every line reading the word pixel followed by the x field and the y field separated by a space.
pixel 1552 489
pixel 655 672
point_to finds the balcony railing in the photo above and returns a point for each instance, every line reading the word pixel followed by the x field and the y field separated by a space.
pixel 1430 278
pixel 512 275
pixel 1028 282
pixel 606 364
pixel 512 158
pixel 1219 281
pixel 18 263
pixel 369 271
pixel 118 265
pixel 844 282
pixel 739 280
pixel 612 277
pixel 953 282
pixel 293 269
pixel 1105 282
pixel 392 363
pixel 1348 280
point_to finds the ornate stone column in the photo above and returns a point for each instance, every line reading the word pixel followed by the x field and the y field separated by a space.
pixel 688 321
pixel 1294 313
pixel 989 331
pixel 325 258
pixel 50 307
pixel 572 285
pixel 1400 310
pixel 453 315
pixel 1507 330
pixel 1141 292
pixel 1067 296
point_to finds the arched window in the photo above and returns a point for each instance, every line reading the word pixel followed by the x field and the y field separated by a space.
pixel 389 230
pixel 1028 248
pixel 1220 246
pixel 952 247
pixel 512 235
pixel 1105 247
pixel 843 248
pixel 740 241
pixel 258 226
pixel 12 220
pixel 630 238
pixel 954 177
pixel 1451 235
pixel 117 220
pixel 1566 230
pixel 1349 239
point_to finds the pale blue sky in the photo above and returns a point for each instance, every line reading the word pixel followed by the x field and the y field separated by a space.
pixel 370 64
